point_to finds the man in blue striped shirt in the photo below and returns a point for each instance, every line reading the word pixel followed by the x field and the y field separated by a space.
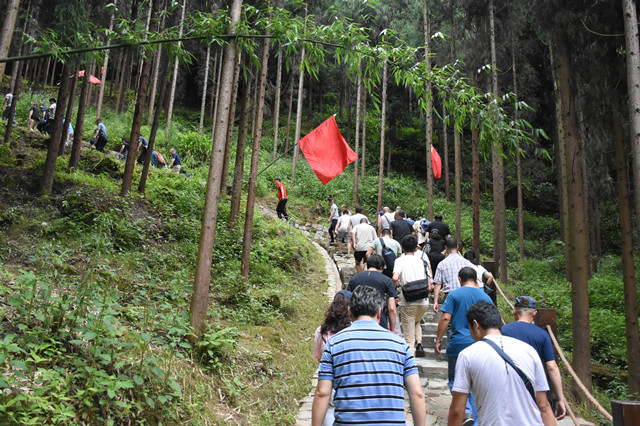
pixel 369 368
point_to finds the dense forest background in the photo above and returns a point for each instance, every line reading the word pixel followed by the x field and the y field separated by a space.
pixel 532 106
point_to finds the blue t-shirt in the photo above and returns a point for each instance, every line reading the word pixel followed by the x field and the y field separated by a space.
pixel 102 130
pixel 70 129
pixel 334 208
pixel 457 304
pixel 367 365
pixel 533 335
pixel 145 143
pixel 176 157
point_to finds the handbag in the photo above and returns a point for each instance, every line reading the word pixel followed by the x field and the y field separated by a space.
pixel 525 379
pixel 416 290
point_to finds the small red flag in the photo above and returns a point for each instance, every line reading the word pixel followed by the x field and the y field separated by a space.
pixel 436 163
pixel 326 151
pixel 94 80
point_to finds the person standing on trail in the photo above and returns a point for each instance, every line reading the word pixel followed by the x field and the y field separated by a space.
pixel 355 221
pixel 439 225
pixel 335 319
pixel 363 236
pixel 400 227
pixel 489 369
pixel 99 136
pixel 446 277
pixel 8 99
pixel 143 145
pixel 373 277
pixel 34 116
pixel 369 368
pixel 281 191
pixel 333 219
pixel 408 268
pixel 389 243
pixel 385 217
pixel 454 311
pixel 342 227
pixel 522 328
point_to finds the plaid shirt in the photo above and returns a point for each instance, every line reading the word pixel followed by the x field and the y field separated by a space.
pixel 447 272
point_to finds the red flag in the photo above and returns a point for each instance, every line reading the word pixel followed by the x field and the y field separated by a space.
pixel 94 80
pixel 81 73
pixel 326 151
pixel 436 163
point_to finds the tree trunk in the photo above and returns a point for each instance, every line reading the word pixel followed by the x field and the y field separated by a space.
pixel 457 150
pixel 214 81
pixel 154 86
pixel 200 297
pixel 288 136
pixel 49 168
pixel 254 103
pixel 518 162
pixel 296 148
pixel 53 72
pixel 174 75
pixel 578 238
pixel 14 103
pixel 74 158
pixel 429 111
pixel 628 267
pixel 232 116
pixel 475 158
pixel 46 72
pixel 633 85
pixel 121 85
pixel 276 108
pixel 356 200
pixel 9 23
pixel 364 135
pixel 255 155
pixel 69 108
pixel 383 116
pixel 215 110
pixel 204 90
pixel 500 226
pixel 156 122
pixel 241 147
pixel 129 168
pixel 103 76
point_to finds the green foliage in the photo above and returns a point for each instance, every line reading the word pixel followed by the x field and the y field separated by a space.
pixel 215 344
pixel 192 146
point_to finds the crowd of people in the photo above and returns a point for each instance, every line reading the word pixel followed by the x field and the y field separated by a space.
pixel 367 346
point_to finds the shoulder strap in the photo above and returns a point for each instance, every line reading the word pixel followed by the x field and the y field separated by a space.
pixel 525 379
pixel 382 242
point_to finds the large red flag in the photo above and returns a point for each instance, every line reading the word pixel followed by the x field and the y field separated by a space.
pixel 326 151
pixel 436 163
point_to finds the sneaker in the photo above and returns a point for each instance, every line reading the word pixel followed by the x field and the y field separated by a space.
pixel 420 351
pixel 468 420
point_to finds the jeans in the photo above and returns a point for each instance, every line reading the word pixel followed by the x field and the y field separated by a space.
pixel 471 401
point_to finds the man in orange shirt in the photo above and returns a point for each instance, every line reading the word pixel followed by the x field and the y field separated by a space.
pixel 282 196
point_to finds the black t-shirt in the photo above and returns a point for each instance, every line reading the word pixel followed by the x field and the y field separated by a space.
pixel 35 114
pixel 435 246
pixel 380 282
pixel 399 229
pixel 442 227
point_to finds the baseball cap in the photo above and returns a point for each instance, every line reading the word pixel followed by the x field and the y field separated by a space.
pixel 525 302
pixel 345 293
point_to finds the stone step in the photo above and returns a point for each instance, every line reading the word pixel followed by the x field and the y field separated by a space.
pixel 431 368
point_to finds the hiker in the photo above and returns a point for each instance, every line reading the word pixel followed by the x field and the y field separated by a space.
pixel 435 248
pixel 454 311
pixel 8 98
pixel 34 116
pixel 446 277
pixel 49 115
pixel 335 319
pixel 385 217
pixel 374 278
pixel 420 227
pixel 281 192
pixel 363 236
pixel 439 225
pixel 176 163
pixel 355 221
pixel 412 269
pixel 388 248
pixel 157 159
pixel 342 227
pixel 485 278
pixel 522 328
pixel 400 227
pixel 333 219
pixel 369 368
pixel 124 149
pixel 143 145
pixel 69 132
pixel 489 369
pixel 99 136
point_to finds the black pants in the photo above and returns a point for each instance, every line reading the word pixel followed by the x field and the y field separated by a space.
pixel 282 209
pixel 100 143
pixel 332 230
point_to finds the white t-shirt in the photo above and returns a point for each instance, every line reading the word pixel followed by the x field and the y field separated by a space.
pixel 410 268
pixel 501 396
pixel 364 234
pixel 355 219
pixel 386 219
pixel 344 222
pixel 9 98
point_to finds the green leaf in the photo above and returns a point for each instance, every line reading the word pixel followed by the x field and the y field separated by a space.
pixel 150 402
pixel 111 393
pixel 90 335
pixel 19 364
pixel 139 380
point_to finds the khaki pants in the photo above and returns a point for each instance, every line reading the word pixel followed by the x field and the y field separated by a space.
pixel 410 316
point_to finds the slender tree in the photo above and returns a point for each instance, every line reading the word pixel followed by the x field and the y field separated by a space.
pixel 289 113
pixel 276 107
pixel 364 135
pixel 204 90
pixel 383 117
pixel 174 75
pixel 356 200
pixel 429 111
pixel 74 158
pixel 255 156
pixel 238 172
pixel 296 149
pixel 105 67
pixel 6 35
pixel 14 103
pixel 200 297
pixel 232 116
pixel 69 108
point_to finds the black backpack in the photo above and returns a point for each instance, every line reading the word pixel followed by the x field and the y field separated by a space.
pixel 389 256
